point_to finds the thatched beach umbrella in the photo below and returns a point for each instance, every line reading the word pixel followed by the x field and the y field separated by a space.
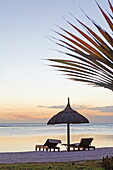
pixel 68 116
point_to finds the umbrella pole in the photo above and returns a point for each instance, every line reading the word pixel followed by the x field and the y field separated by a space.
pixel 68 137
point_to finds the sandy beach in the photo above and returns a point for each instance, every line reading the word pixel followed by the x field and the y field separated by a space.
pixel 63 156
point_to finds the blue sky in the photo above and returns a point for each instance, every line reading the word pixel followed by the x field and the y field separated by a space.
pixel 26 80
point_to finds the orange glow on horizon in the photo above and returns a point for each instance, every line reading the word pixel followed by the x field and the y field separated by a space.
pixel 41 113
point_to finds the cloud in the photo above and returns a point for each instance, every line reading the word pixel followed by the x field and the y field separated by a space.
pixel 38 120
pixel 76 107
pixel 53 107
pixel 101 119
pixel 18 116
pixel 57 107
pixel 81 107
pixel 42 106
pixel 7 109
pixel 102 109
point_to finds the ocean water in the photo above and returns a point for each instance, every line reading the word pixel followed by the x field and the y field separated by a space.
pixel 24 136
pixel 42 129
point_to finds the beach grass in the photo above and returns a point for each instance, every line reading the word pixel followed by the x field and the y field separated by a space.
pixel 87 165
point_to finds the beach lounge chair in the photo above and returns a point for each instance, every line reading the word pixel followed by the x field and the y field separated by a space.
pixel 84 144
pixel 49 145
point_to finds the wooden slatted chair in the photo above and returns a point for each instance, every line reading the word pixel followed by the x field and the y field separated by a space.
pixel 84 144
pixel 49 145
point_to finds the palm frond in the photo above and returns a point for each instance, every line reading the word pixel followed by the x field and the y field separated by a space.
pixel 93 56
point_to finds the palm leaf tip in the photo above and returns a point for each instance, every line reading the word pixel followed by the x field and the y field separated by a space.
pixel 93 58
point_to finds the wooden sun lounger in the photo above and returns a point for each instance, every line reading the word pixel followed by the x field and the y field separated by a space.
pixel 84 144
pixel 49 145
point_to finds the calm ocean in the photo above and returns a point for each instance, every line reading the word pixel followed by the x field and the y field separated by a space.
pixel 23 137
pixel 42 129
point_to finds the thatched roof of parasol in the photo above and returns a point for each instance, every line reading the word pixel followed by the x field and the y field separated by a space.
pixel 68 116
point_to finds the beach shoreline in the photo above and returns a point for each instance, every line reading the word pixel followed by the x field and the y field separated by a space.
pixel 24 137
pixel 62 156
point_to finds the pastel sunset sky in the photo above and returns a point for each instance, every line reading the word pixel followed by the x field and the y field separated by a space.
pixel 31 90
